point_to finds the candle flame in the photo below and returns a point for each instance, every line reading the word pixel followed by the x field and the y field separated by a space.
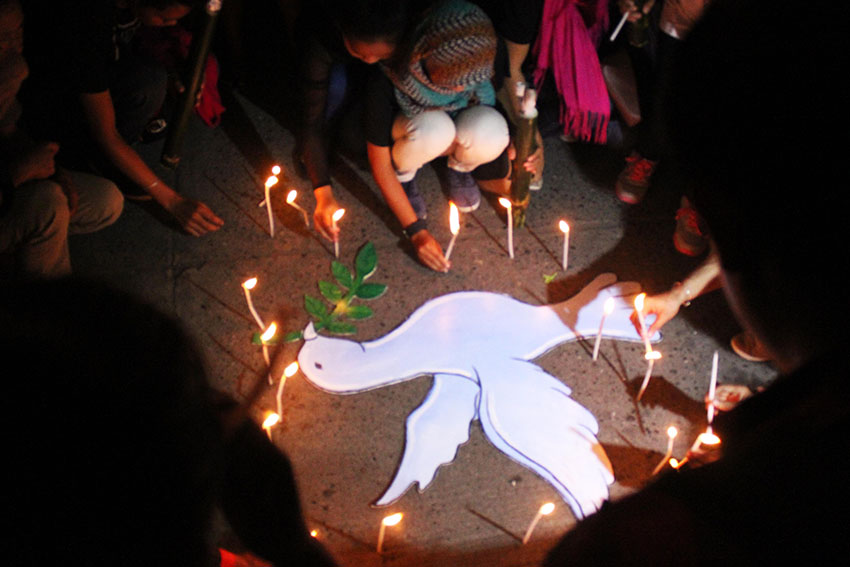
pixel 290 197
pixel 672 432
pixel 271 420
pixel 652 355
pixel 276 170
pixel 392 519
pixel 271 181
pixel 674 462
pixel 454 218
pixel 269 333
pixel 338 214
pixel 609 306
pixel 565 228
pixel 709 438
pixel 249 283
pixel 314 533
pixel 290 370
pixel 639 301
pixel 547 508
pixel 505 202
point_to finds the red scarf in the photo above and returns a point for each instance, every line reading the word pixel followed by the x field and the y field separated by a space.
pixel 567 46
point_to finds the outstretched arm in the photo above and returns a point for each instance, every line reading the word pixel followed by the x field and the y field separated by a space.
pixel 427 248
pixel 194 216
pixel 666 305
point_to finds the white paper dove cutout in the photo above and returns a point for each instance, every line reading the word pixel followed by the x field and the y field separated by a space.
pixel 478 346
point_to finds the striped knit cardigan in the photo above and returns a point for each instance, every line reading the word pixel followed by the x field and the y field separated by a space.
pixel 449 63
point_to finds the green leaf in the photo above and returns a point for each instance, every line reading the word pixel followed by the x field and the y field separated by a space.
pixel 340 328
pixel 342 274
pixel 293 336
pixel 366 261
pixel 315 307
pixel 330 291
pixel 370 290
pixel 359 311
pixel 547 278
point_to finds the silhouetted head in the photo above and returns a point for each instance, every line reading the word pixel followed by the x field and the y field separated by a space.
pixel 754 101
pixel 376 30
pixel 108 430
pixel 162 13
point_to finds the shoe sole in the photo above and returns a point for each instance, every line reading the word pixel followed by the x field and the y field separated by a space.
pixel 687 250
pixel 745 355
pixel 469 208
pixel 626 197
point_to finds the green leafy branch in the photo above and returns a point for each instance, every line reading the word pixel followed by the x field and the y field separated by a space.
pixel 339 296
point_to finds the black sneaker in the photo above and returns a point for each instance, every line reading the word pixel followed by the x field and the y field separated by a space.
pixel 415 198
pixel 463 190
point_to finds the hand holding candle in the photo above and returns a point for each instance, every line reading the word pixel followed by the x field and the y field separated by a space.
pixel 607 309
pixel 390 520
pixel 565 228
pixel 507 204
pixel 544 510
pixel 454 226
pixel 336 216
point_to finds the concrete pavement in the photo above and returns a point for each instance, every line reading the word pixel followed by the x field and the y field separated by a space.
pixel 345 448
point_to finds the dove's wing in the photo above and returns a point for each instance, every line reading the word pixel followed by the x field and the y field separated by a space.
pixel 530 416
pixel 434 432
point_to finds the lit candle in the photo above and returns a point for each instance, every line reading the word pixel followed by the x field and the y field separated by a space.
pixel 267 336
pixel 275 171
pixel 639 308
pixel 314 533
pixel 248 285
pixel 454 226
pixel 544 510
pixel 671 435
pixel 288 372
pixel 270 182
pixel 507 204
pixel 651 357
pixel 336 216
pixel 290 200
pixel 712 385
pixel 565 228
pixel 390 520
pixel 606 310
pixel 271 420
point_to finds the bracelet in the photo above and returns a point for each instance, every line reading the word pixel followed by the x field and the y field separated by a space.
pixel 416 226
pixel 688 298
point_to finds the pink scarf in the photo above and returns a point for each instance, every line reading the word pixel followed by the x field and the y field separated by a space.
pixel 567 46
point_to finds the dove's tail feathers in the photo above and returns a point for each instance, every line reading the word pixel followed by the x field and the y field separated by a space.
pixel 435 430
pixel 529 415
